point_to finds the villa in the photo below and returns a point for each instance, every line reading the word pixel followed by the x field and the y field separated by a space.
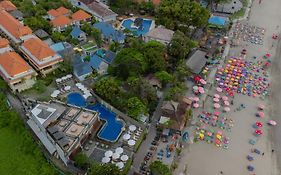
pixel 160 34
pixel 101 12
pixel 109 33
pixel 80 16
pixel 77 33
pixel 12 28
pixel 60 23
pixel 14 70
pixel 40 55
pixel 62 129
pixel 196 61
pixel 61 11
pixel 7 6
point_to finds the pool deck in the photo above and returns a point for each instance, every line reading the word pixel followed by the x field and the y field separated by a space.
pixel 152 26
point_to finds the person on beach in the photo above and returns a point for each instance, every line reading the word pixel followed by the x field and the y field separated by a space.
pixel 221 172
pixel 263 154
pixel 272 150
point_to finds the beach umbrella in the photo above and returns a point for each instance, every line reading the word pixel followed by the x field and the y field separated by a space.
pixel 250 168
pixel 225 98
pixel 196 105
pixel 105 160
pixel 217 113
pixel 124 158
pixel 132 127
pixel 261 114
pixel 219 132
pixel 226 109
pixel 67 88
pixel 119 150
pixel 131 142
pixel 261 106
pixel 216 105
pixel 115 156
pixel 54 95
pixel 218 136
pixel 202 81
pixel 69 76
pixel 196 99
pixel 120 165
pixel 108 153
pixel 272 122
pixel 215 117
pixel 217 96
pixel 78 84
pixel 258 131
pixel 197 78
pixel 219 89
pixel 58 80
pixel 268 55
pixel 216 99
pixel 56 92
pixel 201 90
pixel 195 88
pixel 63 78
pixel 126 136
pixel 259 124
pixel 226 103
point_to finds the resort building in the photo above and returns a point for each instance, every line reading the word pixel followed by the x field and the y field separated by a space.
pixel 101 11
pixel 197 61
pixel 61 128
pixel 40 55
pixel 159 34
pixel 60 23
pixel 61 11
pixel 77 33
pixel 80 16
pixel 14 70
pixel 109 33
pixel 12 29
pixel 7 6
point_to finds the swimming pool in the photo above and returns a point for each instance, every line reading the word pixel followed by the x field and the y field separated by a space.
pixel 76 99
pixel 142 30
pixel 112 128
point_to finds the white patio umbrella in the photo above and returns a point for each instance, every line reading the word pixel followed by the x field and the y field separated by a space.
pixel 105 160
pixel 126 136
pixel 108 153
pixel 63 78
pixel 67 88
pixel 58 80
pixel 131 142
pixel 85 96
pixel 54 95
pixel 119 150
pixel 115 156
pixel 78 84
pixel 132 127
pixel 124 158
pixel 69 76
pixel 56 92
pixel 120 165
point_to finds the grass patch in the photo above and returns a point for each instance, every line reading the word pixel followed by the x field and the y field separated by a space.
pixel 15 161
pixel 127 166
pixel 89 46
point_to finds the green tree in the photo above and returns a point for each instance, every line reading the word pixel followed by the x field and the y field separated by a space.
pixel 136 108
pixel 128 62
pixel 57 36
pixel 107 88
pixel 103 169
pixel 176 14
pixel 3 85
pixel 82 161
pixel 96 34
pixel 37 22
pixel 87 28
pixel 114 46
pixel 182 71
pixel 164 77
pixel 158 167
pixel 175 92
pixel 180 46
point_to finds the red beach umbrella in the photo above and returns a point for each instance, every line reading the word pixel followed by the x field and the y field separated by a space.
pixel 259 124
pixel 258 132
pixel 261 106
pixel 217 113
pixel 261 114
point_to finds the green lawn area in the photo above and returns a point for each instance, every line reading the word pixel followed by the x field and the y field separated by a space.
pixel 13 160
pixel 89 46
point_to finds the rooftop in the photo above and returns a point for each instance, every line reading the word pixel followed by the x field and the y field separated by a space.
pixel 13 26
pixel 80 15
pixel 76 32
pixel 7 5
pixel 161 33
pixel 109 32
pixel 38 48
pixel 61 21
pixel 100 9
pixel 197 61
pixel 58 12
pixel 3 42
pixel 41 33
pixel 13 63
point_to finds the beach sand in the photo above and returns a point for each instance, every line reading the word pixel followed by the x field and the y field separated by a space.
pixel 206 159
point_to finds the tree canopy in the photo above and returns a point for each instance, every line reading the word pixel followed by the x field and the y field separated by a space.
pixel 104 169
pixel 136 108
pixel 176 14
pixel 164 77
pixel 158 167
pixel 107 88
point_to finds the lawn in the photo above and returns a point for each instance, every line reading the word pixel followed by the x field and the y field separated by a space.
pixel 13 161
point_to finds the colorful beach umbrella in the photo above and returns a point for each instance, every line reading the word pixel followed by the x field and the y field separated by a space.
pixel 202 81
pixel 196 105
pixel 261 114
pixel 216 105
pixel 261 106
pixel 219 89
pixel 216 99
pixel 226 103
pixel 196 99
pixel 226 109
pixel 201 90
pixel 258 131
pixel 272 122
pixel 217 96
pixel 217 113
pixel 259 124
pixel 225 98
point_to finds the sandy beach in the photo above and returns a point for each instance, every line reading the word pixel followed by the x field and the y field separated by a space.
pixel 206 159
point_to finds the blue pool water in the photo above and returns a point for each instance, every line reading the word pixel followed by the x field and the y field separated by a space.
pixel 112 129
pixel 142 30
pixel 76 99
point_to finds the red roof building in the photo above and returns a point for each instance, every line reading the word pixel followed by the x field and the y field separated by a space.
pixel 79 16
pixel 7 6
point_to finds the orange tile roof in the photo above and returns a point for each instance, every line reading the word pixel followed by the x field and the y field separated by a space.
pixel 62 10
pixel 80 15
pixel 61 21
pixel 156 2
pixel 53 13
pixel 3 42
pixel 7 5
pixel 13 63
pixel 13 26
pixel 38 48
